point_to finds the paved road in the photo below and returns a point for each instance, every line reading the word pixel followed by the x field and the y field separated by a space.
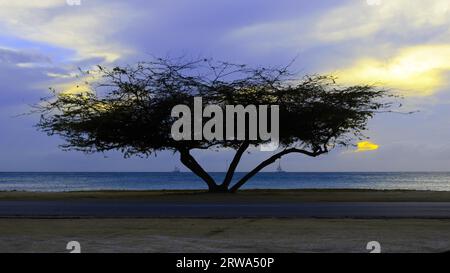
pixel 119 209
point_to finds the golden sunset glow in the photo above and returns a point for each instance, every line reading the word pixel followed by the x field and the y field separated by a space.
pixel 74 89
pixel 415 71
pixel 365 146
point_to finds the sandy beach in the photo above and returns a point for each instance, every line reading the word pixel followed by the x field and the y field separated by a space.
pixel 224 235
pixel 235 232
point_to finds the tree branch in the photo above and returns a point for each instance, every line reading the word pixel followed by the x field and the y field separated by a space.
pixel 234 164
pixel 189 161
pixel 271 160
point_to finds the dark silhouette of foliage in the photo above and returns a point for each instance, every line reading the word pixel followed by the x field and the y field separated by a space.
pixel 130 111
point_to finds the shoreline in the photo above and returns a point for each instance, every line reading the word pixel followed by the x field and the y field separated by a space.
pixel 259 195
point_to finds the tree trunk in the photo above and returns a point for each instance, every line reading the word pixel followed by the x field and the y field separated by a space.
pixel 189 161
pixel 234 164
pixel 219 189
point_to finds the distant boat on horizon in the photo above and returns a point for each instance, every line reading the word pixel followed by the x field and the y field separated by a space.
pixel 279 168
pixel 176 170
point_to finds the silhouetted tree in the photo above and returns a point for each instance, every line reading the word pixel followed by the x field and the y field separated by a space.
pixel 130 111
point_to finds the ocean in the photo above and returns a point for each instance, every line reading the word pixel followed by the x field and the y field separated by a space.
pixel 78 181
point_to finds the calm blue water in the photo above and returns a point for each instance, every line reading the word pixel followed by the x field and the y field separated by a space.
pixel 56 182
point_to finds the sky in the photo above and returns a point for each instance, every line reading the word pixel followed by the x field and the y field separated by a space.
pixel 399 44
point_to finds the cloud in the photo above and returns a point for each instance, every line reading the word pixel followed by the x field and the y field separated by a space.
pixel 396 44
pixel 355 20
pixel 414 71
pixel 400 17
pixel 358 25
pixel 87 30
pixel 70 83
pixel 22 58
pixel 31 4
pixel 59 38
pixel 365 146
pixel 61 75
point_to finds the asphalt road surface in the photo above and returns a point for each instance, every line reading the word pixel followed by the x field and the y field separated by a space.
pixel 143 209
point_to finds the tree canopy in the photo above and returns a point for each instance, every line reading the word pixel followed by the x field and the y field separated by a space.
pixel 129 110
